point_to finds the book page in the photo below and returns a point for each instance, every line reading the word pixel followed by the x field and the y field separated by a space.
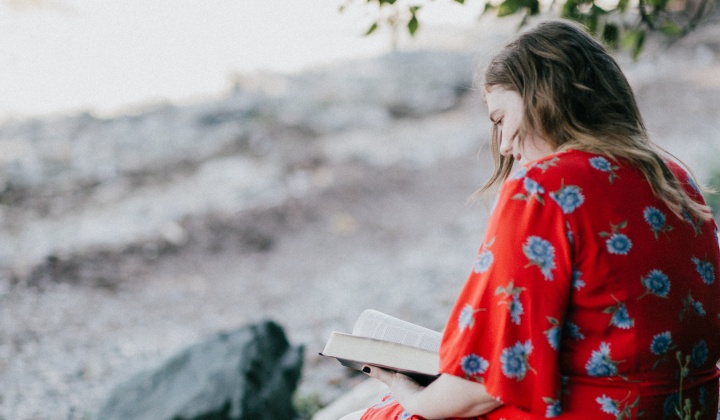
pixel 380 326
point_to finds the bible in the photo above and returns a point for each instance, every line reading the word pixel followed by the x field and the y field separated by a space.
pixel 381 340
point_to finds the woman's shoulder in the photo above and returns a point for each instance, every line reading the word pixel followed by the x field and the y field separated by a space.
pixel 568 164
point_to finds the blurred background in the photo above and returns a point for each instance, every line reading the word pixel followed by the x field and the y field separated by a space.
pixel 171 170
pixel 69 56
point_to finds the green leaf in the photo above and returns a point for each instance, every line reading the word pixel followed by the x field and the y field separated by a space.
pixel 658 4
pixel 413 25
pixel 460 1
pixel 372 28
pixel 671 29
pixel 597 10
pixel 509 7
pixel 488 7
pixel 611 35
pixel 533 7
pixel 567 7
pixel 636 43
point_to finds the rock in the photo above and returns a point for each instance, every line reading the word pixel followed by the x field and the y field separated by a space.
pixel 249 373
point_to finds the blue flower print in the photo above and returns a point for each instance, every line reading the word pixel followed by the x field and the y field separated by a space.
pixel 553 333
pixel 577 282
pixel 657 283
pixel 699 354
pixel 656 219
pixel 540 253
pixel 619 315
pixel 574 331
pixel 532 189
pixel 466 319
pixel 485 257
pixel 661 346
pixel 617 243
pixel 600 363
pixel 688 218
pixel 483 262
pixel 570 235
pixel 514 360
pixel 512 300
pixel 693 184
pixel 519 174
pixel 671 406
pixel 608 405
pixel 621 318
pixel 516 309
pixel 705 269
pixel 661 343
pixel 568 197
pixel 473 365
pixel 600 163
pixel 698 308
pixel 553 409
pixel 603 165
pixel 689 303
pixel 553 337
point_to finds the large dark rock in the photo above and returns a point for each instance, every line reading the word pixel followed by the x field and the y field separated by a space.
pixel 249 373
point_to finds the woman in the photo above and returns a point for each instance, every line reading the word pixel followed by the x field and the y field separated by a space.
pixel 594 294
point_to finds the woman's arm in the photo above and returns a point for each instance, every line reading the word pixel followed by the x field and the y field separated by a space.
pixel 447 396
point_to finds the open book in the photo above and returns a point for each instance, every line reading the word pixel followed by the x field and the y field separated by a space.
pixel 381 340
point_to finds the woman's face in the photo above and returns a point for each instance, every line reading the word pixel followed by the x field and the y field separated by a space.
pixel 505 108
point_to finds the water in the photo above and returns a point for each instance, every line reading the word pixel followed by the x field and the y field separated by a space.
pixel 67 56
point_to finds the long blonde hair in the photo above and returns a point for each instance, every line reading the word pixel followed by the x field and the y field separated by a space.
pixel 576 97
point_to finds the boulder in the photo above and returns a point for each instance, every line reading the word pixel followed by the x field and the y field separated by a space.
pixel 249 373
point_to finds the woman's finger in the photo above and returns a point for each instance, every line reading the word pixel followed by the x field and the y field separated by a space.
pixel 383 375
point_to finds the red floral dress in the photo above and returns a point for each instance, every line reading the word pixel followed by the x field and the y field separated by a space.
pixel 589 299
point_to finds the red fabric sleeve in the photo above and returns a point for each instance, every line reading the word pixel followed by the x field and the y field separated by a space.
pixel 505 328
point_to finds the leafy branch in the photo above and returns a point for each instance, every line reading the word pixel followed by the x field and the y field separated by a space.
pixel 621 25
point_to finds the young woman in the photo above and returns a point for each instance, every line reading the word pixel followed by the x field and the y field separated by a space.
pixel 594 293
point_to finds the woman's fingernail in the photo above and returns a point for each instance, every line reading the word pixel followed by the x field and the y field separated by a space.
pixel 366 369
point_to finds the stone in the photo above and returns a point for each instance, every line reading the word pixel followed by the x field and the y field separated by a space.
pixel 248 373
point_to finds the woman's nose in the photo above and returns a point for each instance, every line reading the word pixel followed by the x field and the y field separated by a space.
pixel 505 147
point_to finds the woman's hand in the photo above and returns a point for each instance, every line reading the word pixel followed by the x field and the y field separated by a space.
pixel 447 396
pixel 402 387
